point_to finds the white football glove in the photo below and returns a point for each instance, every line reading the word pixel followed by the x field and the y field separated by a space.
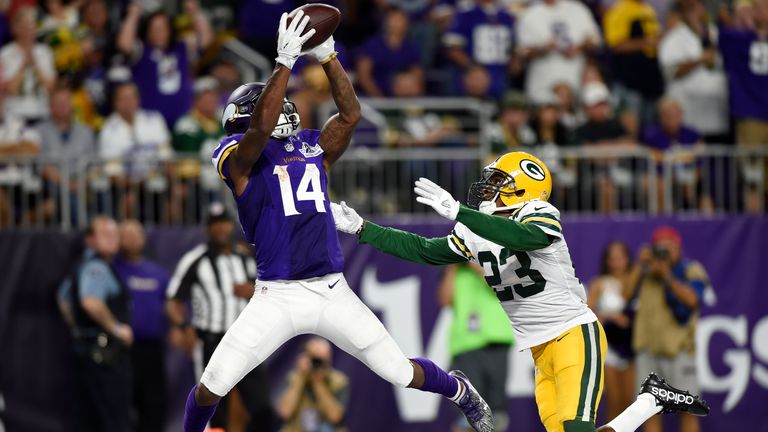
pixel 436 197
pixel 346 218
pixel 324 51
pixel 290 38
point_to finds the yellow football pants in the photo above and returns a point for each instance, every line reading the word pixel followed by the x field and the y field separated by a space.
pixel 569 378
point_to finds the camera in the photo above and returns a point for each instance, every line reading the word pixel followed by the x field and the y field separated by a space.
pixel 660 252
pixel 317 363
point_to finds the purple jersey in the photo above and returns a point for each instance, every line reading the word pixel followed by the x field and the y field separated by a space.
pixel 147 282
pixel 655 137
pixel 164 82
pixel 745 58
pixel 486 36
pixel 285 211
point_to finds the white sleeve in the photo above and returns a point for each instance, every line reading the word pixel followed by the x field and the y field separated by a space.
pixel 542 214
pixel 527 31
pixel 457 242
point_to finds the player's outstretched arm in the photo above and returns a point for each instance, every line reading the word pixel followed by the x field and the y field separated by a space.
pixel 402 244
pixel 337 132
pixel 500 230
pixel 268 106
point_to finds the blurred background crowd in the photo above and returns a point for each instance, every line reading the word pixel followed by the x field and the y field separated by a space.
pixel 114 107
pixel 109 111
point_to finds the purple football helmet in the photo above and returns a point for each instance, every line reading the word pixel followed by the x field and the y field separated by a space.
pixel 240 105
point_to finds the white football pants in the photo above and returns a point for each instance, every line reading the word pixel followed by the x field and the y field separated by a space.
pixel 280 310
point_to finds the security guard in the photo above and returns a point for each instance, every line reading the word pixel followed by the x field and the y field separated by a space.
pixel 97 306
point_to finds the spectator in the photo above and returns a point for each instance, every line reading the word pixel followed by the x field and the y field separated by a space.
pixel 28 71
pixel 477 82
pixel 632 33
pixel 215 304
pixel 131 132
pixel 688 56
pixel 200 129
pixel 482 34
pixel 570 116
pixel 414 127
pixel 132 142
pixel 547 126
pixel 745 56
pixel 602 129
pixel 228 77
pixel 146 282
pixel 384 55
pixel 97 44
pixel 670 130
pixel 65 138
pixel 480 336
pixel 161 64
pixel 316 396
pixel 671 134
pixel 58 29
pixel 16 139
pixel 511 130
pixel 555 36
pixel 609 296
pixel 97 304
pixel 670 290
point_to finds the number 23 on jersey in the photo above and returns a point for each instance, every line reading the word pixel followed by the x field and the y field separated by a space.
pixel 309 189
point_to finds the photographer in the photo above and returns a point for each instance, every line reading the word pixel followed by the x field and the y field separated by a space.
pixel 671 288
pixel 316 396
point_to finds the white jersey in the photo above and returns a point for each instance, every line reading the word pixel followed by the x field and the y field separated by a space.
pixel 538 289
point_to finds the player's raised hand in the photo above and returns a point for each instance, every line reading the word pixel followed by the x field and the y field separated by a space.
pixel 290 38
pixel 324 51
pixel 346 218
pixel 436 197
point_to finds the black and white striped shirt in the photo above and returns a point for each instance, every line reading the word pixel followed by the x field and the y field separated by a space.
pixel 207 278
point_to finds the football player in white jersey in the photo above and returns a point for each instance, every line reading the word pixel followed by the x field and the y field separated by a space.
pixel 510 229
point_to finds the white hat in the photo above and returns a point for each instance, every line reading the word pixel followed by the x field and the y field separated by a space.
pixel 595 93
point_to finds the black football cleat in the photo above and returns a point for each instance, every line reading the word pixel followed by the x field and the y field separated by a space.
pixel 671 399
pixel 477 412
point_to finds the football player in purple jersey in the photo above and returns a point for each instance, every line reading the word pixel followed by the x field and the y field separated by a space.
pixel 278 177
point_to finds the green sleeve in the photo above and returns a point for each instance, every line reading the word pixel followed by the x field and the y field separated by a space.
pixel 503 231
pixel 409 246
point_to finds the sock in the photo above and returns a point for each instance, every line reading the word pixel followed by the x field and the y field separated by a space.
pixel 636 414
pixel 438 381
pixel 196 417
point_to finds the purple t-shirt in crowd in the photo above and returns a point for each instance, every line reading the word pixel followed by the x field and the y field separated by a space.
pixel 487 40
pixel 387 61
pixel 285 211
pixel 655 137
pixel 164 82
pixel 147 282
pixel 260 18
pixel 746 61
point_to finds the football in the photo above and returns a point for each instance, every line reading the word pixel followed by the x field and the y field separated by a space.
pixel 323 18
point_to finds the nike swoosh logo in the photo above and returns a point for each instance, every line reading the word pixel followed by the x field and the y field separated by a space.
pixel 333 284
pixel 539 208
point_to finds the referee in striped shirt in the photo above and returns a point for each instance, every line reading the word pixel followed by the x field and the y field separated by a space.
pixel 215 280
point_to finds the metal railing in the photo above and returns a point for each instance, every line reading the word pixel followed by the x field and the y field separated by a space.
pixel 48 192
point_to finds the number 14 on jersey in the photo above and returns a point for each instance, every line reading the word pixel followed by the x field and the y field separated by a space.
pixel 309 189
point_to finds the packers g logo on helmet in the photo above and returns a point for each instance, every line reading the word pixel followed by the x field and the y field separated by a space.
pixel 532 169
pixel 511 180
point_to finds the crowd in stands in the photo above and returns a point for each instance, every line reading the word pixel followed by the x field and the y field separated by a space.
pixel 134 81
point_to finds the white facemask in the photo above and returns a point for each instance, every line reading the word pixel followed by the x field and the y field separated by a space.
pixel 286 126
